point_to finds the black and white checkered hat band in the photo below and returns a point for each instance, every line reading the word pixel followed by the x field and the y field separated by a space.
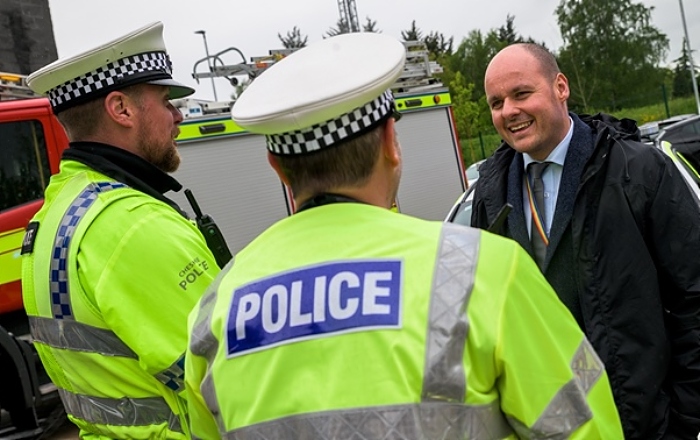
pixel 333 131
pixel 107 76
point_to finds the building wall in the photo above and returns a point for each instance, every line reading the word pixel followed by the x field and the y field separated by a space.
pixel 26 36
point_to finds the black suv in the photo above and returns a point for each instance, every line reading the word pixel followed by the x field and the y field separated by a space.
pixel 651 130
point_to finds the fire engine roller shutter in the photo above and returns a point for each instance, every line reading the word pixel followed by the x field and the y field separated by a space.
pixel 432 178
pixel 233 183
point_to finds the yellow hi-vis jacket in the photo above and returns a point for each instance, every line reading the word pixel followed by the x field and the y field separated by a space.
pixel 350 321
pixel 108 282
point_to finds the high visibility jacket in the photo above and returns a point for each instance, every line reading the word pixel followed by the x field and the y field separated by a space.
pixel 350 321
pixel 108 282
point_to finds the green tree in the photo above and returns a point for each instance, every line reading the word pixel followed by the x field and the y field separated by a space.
pixel 508 35
pixel 682 84
pixel 413 33
pixel 293 39
pixel 438 45
pixel 611 53
pixel 370 26
pixel 473 55
pixel 466 111
pixel 470 60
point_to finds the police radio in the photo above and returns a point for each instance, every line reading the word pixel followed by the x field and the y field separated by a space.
pixel 212 234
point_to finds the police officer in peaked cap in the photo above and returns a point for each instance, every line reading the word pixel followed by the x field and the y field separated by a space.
pixel 111 266
pixel 347 320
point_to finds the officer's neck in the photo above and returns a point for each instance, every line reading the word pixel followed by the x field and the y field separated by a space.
pixel 340 195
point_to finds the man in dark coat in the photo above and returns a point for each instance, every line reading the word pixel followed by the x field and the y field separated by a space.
pixel 619 232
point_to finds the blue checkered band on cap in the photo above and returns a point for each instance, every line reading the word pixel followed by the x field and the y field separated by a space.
pixel 107 76
pixel 327 133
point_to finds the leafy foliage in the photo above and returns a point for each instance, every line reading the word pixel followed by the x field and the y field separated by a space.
pixel 438 45
pixel 412 34
pixel 293 39
pixel 466 111
pixel 370 26
pixel 611 52
pixel 682 84
pixel 507 34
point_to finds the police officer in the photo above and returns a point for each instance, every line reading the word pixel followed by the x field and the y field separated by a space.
pixel 112 267
pixel 346 320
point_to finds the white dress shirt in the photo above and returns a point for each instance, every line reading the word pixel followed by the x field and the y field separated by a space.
pixel 551 178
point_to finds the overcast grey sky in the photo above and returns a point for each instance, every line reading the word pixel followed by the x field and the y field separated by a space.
pixel 252 26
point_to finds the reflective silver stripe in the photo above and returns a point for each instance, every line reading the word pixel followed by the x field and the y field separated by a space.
pixel 204 344
pixel 453 281
pixel 587 366
pixel 208 390
pixel 76 336
pixel 174 376
pixel 120 412
pixel 569 409
pixel 435 420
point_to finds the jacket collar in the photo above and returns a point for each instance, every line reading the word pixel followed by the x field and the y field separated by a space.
pixel 126 168
pixel 580 150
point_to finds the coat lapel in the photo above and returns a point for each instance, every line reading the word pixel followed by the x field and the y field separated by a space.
pixel 580 150
pixel 516 219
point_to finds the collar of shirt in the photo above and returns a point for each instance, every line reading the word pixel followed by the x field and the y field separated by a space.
pixel 558 155
pixel 551 178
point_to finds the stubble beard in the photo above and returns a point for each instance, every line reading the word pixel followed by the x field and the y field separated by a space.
pixel 170 159
pixel 164 156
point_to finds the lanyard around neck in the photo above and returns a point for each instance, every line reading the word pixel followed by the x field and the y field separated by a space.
pixel 535 213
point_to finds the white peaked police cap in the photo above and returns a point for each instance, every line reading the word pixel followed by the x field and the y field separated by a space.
pixel 328 92
pixel 137 57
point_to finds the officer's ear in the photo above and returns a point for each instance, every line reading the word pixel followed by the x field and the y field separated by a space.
pixel 275 164
pixel 119 108
pixel 391 149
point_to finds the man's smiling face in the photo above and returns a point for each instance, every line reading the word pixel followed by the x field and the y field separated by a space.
pixel 528 106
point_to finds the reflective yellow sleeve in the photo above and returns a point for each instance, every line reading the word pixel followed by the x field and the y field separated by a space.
pixel 549 378
pixel 146 268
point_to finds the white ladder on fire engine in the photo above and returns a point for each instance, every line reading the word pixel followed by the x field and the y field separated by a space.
pixel 418 73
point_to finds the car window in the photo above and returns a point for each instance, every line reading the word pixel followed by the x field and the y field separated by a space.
pixel 463 215
pixel 696 127
pixel 461 212
pixel 688 129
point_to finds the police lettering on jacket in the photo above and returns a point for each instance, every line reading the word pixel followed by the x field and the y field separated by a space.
pixel 314 302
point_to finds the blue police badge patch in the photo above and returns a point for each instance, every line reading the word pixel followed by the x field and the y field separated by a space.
pixel 314 302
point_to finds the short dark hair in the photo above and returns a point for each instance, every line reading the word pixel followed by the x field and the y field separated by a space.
pixel 348 163
pixel 546 60
pixel 82 121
